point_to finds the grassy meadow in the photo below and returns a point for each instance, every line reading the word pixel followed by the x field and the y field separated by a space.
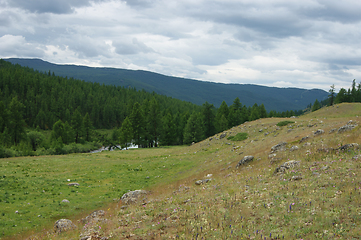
pixel 319 199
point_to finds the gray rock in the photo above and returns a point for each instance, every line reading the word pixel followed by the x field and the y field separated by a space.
pixel 245 159
pixel 347 127
pixel 279 147
pixel 133 196
pixel 223 135
pixel 73 184
pixel 318 132
pixel 304 139
pixel 295 178
pixel 94 217
pixel 287 165
pixel 347 146
pixel 63 225
pixel 333 130
pixel 200 182
pixel 294 148
pixel 65 201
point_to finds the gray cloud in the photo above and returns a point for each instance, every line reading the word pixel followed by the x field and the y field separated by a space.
pixel 53 6
pixel 131 47
pixel 279 42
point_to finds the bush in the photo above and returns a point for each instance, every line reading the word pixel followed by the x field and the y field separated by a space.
pixel 284 123
pixel 238 137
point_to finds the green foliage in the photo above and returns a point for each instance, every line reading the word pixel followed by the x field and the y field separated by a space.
pixel 316 105
pixel 238 137
pixel 36 139
pixel 193 130
pixel 126 133
pixel 284 123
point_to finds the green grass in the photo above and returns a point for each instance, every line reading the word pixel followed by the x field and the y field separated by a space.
pixel 238 137
pixel 35 186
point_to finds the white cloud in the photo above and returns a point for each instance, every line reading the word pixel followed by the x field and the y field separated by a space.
pixel 310 43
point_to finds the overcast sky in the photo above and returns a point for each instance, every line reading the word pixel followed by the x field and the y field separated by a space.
pixel 283 43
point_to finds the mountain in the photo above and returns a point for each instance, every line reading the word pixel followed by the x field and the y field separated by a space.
pixel 198 92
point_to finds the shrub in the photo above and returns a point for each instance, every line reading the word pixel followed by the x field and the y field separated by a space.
pixel 284 123
pixel 238 137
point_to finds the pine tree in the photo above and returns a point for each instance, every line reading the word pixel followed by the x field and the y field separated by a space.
pixel 16 121
pixel 87 127
pixel 77 125
pixel 193 131
pixel 316 105
pixel 126 133
pixel 137 120
pixel 332 94
pixel 208 118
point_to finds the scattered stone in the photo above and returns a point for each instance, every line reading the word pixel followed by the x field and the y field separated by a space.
pixel 347 146
pixel 210 139
pixel 296 178
pixel 73 184
pixel 245 160
pixel 325 168
pixel 200 182
pixel 303 139
pixel 318 132
pixel 287 165
pixel 273 155
pixel 63 225
pixel 279 147
pixel 333 130
pixel 223 135
pixel 65 201
pixel 133 196
pixel 261 130
pixel 294 148
pixel 95 217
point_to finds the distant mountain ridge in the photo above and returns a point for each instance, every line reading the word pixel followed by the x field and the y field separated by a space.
pixel 198 92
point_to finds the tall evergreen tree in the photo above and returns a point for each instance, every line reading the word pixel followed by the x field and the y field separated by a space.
pixel 126 133
pixel 87 127
pixel 316 105
pixel 208 118
pixel 193 131
pixel 332 94
pixel 77 125
pixel 153 122
pixel 137 120
pixel 16 121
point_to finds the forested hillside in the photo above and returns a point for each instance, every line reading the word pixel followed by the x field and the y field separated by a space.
pixel 198 92
pixel 32 101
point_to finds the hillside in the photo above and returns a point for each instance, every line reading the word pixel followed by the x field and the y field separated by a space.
pixel 316 196
pixel 197 92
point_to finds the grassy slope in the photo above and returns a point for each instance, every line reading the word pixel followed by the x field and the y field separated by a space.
pixel 248 202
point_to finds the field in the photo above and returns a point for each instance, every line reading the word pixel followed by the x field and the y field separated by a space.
pixel 319 198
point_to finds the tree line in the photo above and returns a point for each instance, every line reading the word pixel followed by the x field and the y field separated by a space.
pixel 33 101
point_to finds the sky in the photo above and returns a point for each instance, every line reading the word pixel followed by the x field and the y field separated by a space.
pixel 281 43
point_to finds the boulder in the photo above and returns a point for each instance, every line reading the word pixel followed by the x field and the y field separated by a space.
pixel 303 139
pixel 223 135
pixel 63 225
pixel 200 182
pixel 65 201
pixel 347 146
pixel 133 196
pixel 347 127
pixel 245 159
pixel 318 132
pixel 279 147
pixel 287 165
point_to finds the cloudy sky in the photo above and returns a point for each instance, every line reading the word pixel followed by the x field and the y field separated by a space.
pixel 283 43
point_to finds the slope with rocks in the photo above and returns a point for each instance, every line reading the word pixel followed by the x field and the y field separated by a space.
pixel 307 187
